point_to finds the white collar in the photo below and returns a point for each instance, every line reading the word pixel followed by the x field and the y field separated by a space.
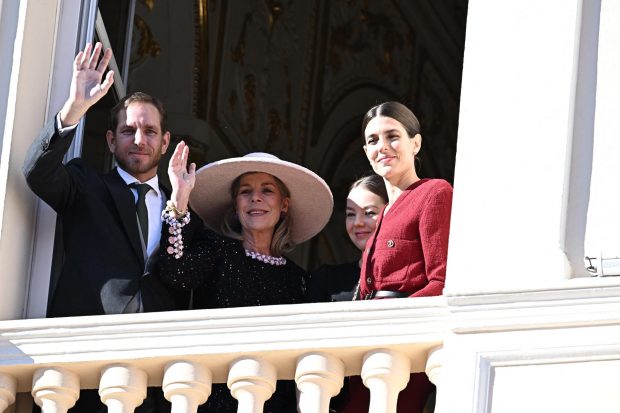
pixel 129 179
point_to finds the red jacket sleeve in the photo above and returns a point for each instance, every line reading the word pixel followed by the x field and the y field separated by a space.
pixel 434 233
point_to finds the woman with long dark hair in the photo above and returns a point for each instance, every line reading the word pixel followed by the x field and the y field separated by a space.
pixel 406 256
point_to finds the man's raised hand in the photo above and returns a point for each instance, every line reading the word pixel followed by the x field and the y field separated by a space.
pixel 86 85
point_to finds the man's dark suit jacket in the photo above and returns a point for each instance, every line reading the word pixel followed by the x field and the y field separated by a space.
pixel 103 266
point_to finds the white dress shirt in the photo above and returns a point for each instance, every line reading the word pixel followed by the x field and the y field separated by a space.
pixel 154 203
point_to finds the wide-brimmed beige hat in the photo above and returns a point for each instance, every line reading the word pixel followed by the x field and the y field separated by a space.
pixel 311 200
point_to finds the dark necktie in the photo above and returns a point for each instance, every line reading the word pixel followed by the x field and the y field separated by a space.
pixel 141 210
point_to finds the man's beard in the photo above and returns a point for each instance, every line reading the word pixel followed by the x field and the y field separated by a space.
pixel 135 167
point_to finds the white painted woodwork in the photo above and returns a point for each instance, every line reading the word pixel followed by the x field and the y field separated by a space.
pixel 434 371
pixel 319 377
pixel 513 156
pixel 251 381
pixel 479 334
pixel 122 387
pixel 385 372
pixel 55 389
pixel 7 389
pixel 31 65
pixel 186 385
pixel 603 220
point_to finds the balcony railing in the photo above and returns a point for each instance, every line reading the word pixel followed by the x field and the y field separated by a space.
pixel 250 348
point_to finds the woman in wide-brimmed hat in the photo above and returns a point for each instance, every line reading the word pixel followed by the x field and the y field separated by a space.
pixel 256 207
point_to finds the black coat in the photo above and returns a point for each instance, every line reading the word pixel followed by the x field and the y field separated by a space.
pixel 103 266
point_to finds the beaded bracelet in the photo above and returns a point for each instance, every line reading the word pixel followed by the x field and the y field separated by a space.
pixel 171 206
pixel 176 224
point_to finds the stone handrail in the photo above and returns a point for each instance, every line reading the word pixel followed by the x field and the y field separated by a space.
pixel 247 348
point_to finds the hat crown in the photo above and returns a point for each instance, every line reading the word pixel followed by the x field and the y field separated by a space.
pixel 261 156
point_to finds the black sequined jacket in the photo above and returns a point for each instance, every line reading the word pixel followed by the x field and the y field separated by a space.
pixel 222 276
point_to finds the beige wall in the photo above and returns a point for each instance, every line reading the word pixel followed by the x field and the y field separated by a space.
pixel 31 68
pixel 42 39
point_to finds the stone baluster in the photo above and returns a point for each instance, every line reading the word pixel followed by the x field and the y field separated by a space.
pixel 319 377
pixel 434 371
pixel 186 385
pixel 385 372
pixel 251 381
pixel 122 387
pixel 55 389
pixel 7 391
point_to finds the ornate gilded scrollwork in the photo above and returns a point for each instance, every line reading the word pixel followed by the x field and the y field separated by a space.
pixel 363 32
pixel 238 52
pixel 149 4
pixel 274 11
pixel 147 45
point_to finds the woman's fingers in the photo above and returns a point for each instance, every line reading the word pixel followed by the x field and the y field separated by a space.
pixel 185 155
pixel 180 156
pixel 177 152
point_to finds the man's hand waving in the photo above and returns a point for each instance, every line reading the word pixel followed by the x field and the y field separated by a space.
pixel 86 85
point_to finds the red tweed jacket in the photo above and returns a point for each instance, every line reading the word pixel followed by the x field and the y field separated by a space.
pixel 409 248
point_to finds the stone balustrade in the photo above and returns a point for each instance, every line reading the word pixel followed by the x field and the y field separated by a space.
pixel 317 345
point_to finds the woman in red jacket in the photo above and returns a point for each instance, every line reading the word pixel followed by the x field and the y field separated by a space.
pixel 406 256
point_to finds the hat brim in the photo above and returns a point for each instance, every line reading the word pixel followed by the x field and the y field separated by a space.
pixel 310 205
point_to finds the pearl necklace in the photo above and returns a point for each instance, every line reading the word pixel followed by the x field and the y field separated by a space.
pixel 267 259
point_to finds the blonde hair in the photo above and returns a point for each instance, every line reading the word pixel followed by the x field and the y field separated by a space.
pixel 281 240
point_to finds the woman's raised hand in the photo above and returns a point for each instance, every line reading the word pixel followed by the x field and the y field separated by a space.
pixel 182 177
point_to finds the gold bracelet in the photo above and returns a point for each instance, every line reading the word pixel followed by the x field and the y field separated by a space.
pixel 171 207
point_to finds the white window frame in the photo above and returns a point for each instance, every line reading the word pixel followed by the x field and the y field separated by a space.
pixel 76 26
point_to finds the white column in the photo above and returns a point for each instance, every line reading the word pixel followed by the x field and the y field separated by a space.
pixel 515 131
pixel 385 373
pixel 251 381
pixel 122 388
pixel 186 385
pixel 55 389
pixel 602 239
pixel 7 389
pixel 319 377
pixel 434 371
